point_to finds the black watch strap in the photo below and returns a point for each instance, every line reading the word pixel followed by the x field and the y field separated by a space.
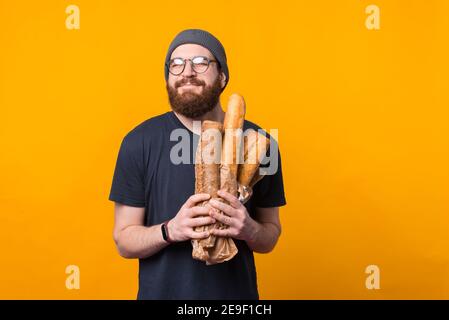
pixel 164 231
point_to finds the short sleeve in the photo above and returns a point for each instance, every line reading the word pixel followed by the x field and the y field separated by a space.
pixel 269 191
pixel 128 181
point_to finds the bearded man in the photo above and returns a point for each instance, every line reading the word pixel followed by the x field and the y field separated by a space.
pixel 156 210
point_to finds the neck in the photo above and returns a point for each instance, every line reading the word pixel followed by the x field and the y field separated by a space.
pixel 216 114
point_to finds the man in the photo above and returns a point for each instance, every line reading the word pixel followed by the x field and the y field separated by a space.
pixel 156 209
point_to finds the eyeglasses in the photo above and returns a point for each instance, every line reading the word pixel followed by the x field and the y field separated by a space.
pixel 199 64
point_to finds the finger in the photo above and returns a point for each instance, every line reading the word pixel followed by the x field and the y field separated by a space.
pixel 199 235
pixel 223 218
pixel 203 221
pixel 222 232
pixel 226 208
pixel 233 201
pixel 198 211
pixel 194 199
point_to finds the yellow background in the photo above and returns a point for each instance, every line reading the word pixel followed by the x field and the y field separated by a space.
pixel 363 129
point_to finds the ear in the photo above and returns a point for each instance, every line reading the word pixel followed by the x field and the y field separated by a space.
pixel 223 79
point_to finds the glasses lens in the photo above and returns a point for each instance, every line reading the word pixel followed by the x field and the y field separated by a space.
pixel 176 66
pixel 200 64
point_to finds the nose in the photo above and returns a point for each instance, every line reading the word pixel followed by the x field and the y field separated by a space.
pixel 188 70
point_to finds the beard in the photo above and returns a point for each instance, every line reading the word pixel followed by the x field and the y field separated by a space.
pixel 194 105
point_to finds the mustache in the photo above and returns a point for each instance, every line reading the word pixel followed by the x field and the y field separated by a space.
pixel 193 81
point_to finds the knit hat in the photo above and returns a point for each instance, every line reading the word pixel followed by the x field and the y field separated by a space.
pixel 203 38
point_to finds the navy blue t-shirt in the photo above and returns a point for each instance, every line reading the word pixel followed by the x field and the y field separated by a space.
pixel 146 177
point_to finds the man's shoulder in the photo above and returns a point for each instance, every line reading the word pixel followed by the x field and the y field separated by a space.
pixel 152 123
pixel 270 133
pixel 252 125
pixel 148 127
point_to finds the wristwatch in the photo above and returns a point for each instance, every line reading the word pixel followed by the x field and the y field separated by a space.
pixel 164 231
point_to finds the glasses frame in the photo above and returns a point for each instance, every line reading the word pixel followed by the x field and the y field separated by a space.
pixel 191 64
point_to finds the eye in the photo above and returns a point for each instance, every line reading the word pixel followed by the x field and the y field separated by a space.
pixel 177 62
pixel 200 60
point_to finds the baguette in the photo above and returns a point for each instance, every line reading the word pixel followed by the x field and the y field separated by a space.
pixel 255 148
pixel 232 127
pixel 223 249
pixel 207 174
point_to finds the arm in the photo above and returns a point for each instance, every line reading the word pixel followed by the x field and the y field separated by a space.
pixel 267 229
pixel 132 238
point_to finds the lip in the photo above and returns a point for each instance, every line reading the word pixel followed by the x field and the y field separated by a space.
pixel 189 86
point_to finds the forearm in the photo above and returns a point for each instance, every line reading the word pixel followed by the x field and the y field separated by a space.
pixel 264 237
pixel 140 242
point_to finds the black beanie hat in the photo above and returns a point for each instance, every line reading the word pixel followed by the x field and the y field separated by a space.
pixel 204 39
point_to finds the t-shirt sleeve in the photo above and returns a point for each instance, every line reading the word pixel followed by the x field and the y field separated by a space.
pixel 269 191
pixel 128 181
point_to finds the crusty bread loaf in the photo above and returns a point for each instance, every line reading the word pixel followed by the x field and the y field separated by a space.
pixel 207 173
pixel 255 147
pixel 223 249
pixel 232 143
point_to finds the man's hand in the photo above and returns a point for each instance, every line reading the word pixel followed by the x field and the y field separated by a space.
pixel 181 227
pixel 241 225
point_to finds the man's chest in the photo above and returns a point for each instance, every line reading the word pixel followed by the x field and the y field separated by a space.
pixel 167 184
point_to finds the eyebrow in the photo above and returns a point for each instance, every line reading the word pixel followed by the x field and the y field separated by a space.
pixel 200 55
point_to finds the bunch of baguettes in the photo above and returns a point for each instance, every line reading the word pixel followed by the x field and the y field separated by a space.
pixel 226 158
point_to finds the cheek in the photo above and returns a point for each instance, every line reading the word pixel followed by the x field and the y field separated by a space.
pixel 209 79
pixel 171 81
